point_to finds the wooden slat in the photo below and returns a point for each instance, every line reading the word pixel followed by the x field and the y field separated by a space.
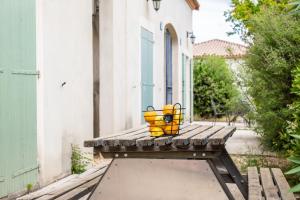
pixel 221 136
pixel 184 139
pixel 46 192
pixel 162 141
pixel 114 141
pixel 149 141
pixel 282 184
pixel 45 197
pixel 50 188
pixel 202 139
pixel 131 140
pixel 84 189
pixel 99 141
pixel 236 193
pixel 72 185
pixel 145 141
pixel 254 187
pixel 270 190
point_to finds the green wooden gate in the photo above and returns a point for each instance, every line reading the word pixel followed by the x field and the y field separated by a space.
pixel 147 68
pixel 18 75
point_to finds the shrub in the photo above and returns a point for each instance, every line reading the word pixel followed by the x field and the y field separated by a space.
pixel 79 161
pixel 271 59
pixel 212 80
pixel 293 127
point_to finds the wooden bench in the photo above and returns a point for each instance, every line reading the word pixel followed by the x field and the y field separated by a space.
pixel 72 187
pixel 268 184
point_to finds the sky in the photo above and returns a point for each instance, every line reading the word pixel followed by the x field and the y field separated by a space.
pixel 209 22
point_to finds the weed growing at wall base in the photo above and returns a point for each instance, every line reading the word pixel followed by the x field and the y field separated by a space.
pixel 79 160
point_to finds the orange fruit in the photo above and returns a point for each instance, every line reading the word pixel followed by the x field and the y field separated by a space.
pixel 178 117
pixel 156 131
pixel 149 116
pixel 172 128
pixel 168 109
pixel 159 121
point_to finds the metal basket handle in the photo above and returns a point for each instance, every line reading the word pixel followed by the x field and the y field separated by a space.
pixel 152 108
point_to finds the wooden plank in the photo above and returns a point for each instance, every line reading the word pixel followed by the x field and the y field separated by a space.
pixel 71 185
pixel 145 141
pixel 45 197
pixel 43 192
pixel 254 187
pixel 50 188
pixel 236 193
pixel 202 139
pixel 99 141
pixel 131 140
pixel 270 190
pixel 114 141
pixel 149 141
pixel 162 141
pixel 282 184
pixel 184 139
pixel 80 191
pixel 221 136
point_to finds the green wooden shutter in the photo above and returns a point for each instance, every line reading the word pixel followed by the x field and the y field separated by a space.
pixel 183 80
pixel 147 68
pixel 18 143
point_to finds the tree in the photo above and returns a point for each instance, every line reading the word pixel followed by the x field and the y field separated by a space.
pixel 213 80
pixel 243 11
pixel 272 57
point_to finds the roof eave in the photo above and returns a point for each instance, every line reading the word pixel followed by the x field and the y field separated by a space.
pixel 222 56
pixel 194 4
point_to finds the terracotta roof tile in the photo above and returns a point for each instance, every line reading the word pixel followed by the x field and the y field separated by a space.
pixel 219 48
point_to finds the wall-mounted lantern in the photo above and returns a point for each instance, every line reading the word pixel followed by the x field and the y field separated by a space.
pixel 191 36
pixel 156 4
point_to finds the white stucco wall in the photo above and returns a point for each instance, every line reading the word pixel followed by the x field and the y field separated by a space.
pixel 64 54
pixel 120 68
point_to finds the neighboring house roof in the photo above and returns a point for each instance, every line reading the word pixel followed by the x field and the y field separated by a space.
pixel 194 4
pixel 220 48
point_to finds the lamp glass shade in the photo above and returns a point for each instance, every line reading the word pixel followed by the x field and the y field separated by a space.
pixel 156 4
pixel 193 38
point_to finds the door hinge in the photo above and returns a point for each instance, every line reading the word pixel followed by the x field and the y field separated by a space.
pixel 26 72
pixel 24 171
pixel 2 179
pixel 148 84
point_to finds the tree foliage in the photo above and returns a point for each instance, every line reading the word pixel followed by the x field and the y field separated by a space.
pixel 243 11
pixel 273 56
pixel 294 125
pixel 213 80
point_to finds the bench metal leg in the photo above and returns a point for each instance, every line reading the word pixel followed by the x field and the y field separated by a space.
pixel 234 173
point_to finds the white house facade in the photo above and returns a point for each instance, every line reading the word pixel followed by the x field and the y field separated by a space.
pixel 123 25
pixel 74 70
